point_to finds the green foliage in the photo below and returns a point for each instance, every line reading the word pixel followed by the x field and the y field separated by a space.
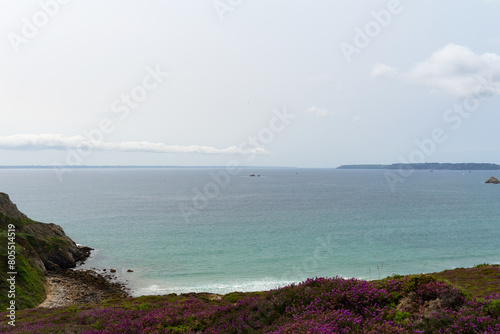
pixel 30 289
pixel 401 316
pixel 317 305
pixel 234 297
pixel 415 281
pixel 493 308
pixel 479 281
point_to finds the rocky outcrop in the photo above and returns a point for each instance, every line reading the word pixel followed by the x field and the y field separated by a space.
pixel 51 248
pixel 40 249
pixel 8 208
pixel 493 180
pixel 47 245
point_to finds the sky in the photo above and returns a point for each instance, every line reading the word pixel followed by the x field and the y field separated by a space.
pixel 317 83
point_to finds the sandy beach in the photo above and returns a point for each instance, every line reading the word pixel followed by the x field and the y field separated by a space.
pixel 68 287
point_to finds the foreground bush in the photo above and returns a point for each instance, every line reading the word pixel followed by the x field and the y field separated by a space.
pixel 410 304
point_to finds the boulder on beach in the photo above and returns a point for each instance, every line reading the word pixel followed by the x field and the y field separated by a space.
pixel 493 180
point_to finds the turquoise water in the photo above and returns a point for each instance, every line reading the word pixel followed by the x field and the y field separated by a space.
pixel 253 233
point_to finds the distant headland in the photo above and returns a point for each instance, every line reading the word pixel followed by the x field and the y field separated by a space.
pixel 428 166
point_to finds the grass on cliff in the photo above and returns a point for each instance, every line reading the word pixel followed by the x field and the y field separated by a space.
pixel 30 289
pixel 480 281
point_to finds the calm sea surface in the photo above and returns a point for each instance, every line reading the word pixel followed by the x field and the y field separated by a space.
pixel 183 230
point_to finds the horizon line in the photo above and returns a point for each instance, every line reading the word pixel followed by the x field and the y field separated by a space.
pixel 134 166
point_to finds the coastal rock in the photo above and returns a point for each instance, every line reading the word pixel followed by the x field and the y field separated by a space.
pixel 493 180
pixel 8 208
pixel 68 287
pixel 46 244
pixel 52 247
pixel 41 249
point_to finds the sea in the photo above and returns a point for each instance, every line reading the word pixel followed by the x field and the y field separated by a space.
pixel 219 230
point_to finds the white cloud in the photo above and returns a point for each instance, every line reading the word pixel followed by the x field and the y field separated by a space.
pixel 381 70
pixel 60 142
pixel 317 112
pixel 454 70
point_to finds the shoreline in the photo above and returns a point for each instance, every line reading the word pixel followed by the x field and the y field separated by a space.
pixel 460 299
pixel 82 286
pixel 76 286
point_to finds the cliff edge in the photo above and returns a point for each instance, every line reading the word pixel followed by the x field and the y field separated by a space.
pixel 39 248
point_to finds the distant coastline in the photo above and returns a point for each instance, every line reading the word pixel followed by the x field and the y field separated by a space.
pixel 428 166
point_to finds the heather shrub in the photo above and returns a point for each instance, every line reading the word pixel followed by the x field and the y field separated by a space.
pixel 246 316
pixel 322 294
pixel 411 304
pixel 492 308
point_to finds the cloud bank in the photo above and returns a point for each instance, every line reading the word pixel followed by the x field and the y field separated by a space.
pixel 61 142
pixel 454 70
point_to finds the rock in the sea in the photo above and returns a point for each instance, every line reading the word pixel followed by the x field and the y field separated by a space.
pixel 130 271
pixel 113 270
pixel 493 180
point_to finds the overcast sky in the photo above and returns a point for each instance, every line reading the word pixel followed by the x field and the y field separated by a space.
pixel 315 83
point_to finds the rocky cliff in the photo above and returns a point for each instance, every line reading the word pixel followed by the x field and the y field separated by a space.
pixel 47 244
pixel 8 208
pixel 39 248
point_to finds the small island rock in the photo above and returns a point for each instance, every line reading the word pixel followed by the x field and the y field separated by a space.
pixel 493 180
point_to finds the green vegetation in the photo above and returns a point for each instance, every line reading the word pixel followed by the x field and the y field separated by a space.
pixel 480 281
pixel 426 303
pixel 30 289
